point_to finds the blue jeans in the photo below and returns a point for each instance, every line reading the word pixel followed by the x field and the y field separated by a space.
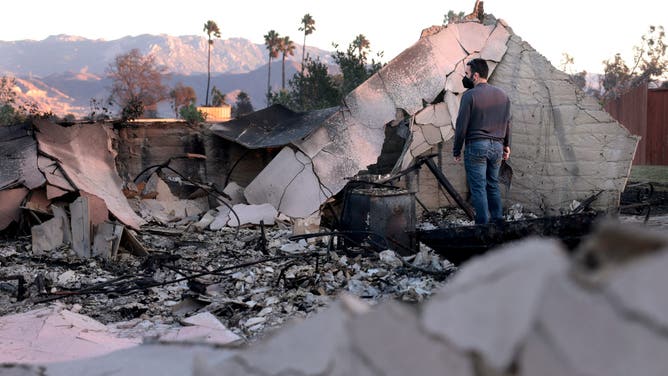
pixel 482 160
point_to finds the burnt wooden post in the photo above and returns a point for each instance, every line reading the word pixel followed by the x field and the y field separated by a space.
pixel 448 187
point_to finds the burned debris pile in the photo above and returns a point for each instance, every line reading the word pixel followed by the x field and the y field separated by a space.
pixel 250 284
pixel 170 234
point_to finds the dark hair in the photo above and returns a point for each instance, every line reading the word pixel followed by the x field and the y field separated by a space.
pixel 479 66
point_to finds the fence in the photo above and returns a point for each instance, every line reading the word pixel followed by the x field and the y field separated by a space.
pixel 644 112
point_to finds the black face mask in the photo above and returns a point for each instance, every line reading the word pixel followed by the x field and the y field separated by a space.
pixel 468 83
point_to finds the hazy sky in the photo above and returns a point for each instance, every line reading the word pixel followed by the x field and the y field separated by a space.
pixel 589 30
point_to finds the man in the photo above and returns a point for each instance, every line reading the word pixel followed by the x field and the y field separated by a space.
pixel 483 124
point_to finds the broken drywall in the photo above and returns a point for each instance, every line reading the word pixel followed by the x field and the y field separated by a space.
pixel 84 153
pixel 55 334
pixel 18 158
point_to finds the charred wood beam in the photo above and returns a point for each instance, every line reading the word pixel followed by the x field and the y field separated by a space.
pixel 445 183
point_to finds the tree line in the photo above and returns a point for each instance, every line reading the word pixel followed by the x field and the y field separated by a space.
pixel 138 80
pixel 649 64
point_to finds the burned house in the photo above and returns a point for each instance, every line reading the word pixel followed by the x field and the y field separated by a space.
pixel 502 314
pixel 565 146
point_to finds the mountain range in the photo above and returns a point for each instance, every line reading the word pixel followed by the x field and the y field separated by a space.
pixel 62 73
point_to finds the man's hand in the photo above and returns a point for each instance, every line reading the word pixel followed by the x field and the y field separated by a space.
pixel 458 159
pixel 506 153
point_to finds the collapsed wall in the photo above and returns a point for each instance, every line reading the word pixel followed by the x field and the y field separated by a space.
pixel 565 146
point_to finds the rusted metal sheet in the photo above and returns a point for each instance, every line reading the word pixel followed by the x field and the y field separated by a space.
pixel 385 218
pixel 272 127
pixel 631 110
pixel 657 127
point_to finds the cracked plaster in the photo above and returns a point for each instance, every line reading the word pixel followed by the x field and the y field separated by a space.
pixel 552 162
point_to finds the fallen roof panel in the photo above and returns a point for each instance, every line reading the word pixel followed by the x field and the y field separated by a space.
pixel 84 153
pixel 271 127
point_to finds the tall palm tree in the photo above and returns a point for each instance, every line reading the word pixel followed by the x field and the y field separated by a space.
pixel 287 47
pixel 210 28
pixel 272 41
pixel 361 44
pixel 308 28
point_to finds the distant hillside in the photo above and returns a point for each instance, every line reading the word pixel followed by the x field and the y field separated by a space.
pixel 63 73
pixel 182 55
pixel 69 92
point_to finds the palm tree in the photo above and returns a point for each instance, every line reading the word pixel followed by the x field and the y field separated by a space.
pixel 308 28
pixel 361 44
pixel 210 27
pixel 287 47
pixel 272 41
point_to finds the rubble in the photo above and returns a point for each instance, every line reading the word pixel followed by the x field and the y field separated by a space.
pixel 55 334
pixel 163 257
pixel 223 273
pixel 85 155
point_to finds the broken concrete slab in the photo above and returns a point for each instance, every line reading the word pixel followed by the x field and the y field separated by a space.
pixel 171 211
pixel 55 334
pixel 454 80
pixel 594 337
pixel 157 187
pixel 632 288
pixel 540 358
pixel 221 218
pixel 545 107
pixel 495 47
pixel 84 153
pixel 446 50
pixel 321 337
pixel 403 349
pixel 490 306
pixel 473 36
pixel 370 103
pixel 236 193
pixel 201 328
pixel 59 212
pixel 355 148
pixel 288 184
pixel 434 114
pixel 48 235
pixel 409 83
pixel 252 214
pixel 106 240
pixel 315 142
pixel 206 220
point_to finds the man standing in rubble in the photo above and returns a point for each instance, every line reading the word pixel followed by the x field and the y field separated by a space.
pixel 483 124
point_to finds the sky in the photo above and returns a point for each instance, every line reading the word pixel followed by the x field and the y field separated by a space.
pixel 589 30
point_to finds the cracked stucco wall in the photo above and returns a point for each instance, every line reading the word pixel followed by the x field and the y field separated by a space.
pixel 565 146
